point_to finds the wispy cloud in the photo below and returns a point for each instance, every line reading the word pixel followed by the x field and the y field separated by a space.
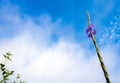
pixel 112 32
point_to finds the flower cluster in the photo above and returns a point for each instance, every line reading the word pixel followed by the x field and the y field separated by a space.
pixel 90 30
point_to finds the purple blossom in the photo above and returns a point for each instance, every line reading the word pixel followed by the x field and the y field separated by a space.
pixel 89 35
pixel 90 30
pixel 94 32
pixel 91 26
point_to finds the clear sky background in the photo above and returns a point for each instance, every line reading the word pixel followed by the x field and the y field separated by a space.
pixel 48 41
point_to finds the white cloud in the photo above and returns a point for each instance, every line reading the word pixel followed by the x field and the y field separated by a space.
pixel 41 60
pixel 61 62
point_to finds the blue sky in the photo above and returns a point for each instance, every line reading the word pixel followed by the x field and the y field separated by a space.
pixel 47 39
pixel 71 11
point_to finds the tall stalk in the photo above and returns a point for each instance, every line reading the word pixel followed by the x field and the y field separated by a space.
pixel 90 31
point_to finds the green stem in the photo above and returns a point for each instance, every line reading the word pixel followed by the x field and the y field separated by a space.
pixel 98 53
pixel 101 60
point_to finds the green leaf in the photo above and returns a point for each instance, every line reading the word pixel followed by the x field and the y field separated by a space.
pixel 2 65
pixel 18 76
pixel 2 68
pixel 8 53
pixel 22 81
pixel 7 56
pixel 11 72
pixel 4 73
pixel 4 56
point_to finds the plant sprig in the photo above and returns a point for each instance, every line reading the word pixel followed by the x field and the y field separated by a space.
pixel 6 73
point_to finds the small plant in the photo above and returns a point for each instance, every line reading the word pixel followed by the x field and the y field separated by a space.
pixel 17 79
pixel 6 73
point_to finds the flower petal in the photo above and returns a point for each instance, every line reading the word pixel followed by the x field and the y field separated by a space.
pixel 89 35
pixel 94 32
pixel 91 26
